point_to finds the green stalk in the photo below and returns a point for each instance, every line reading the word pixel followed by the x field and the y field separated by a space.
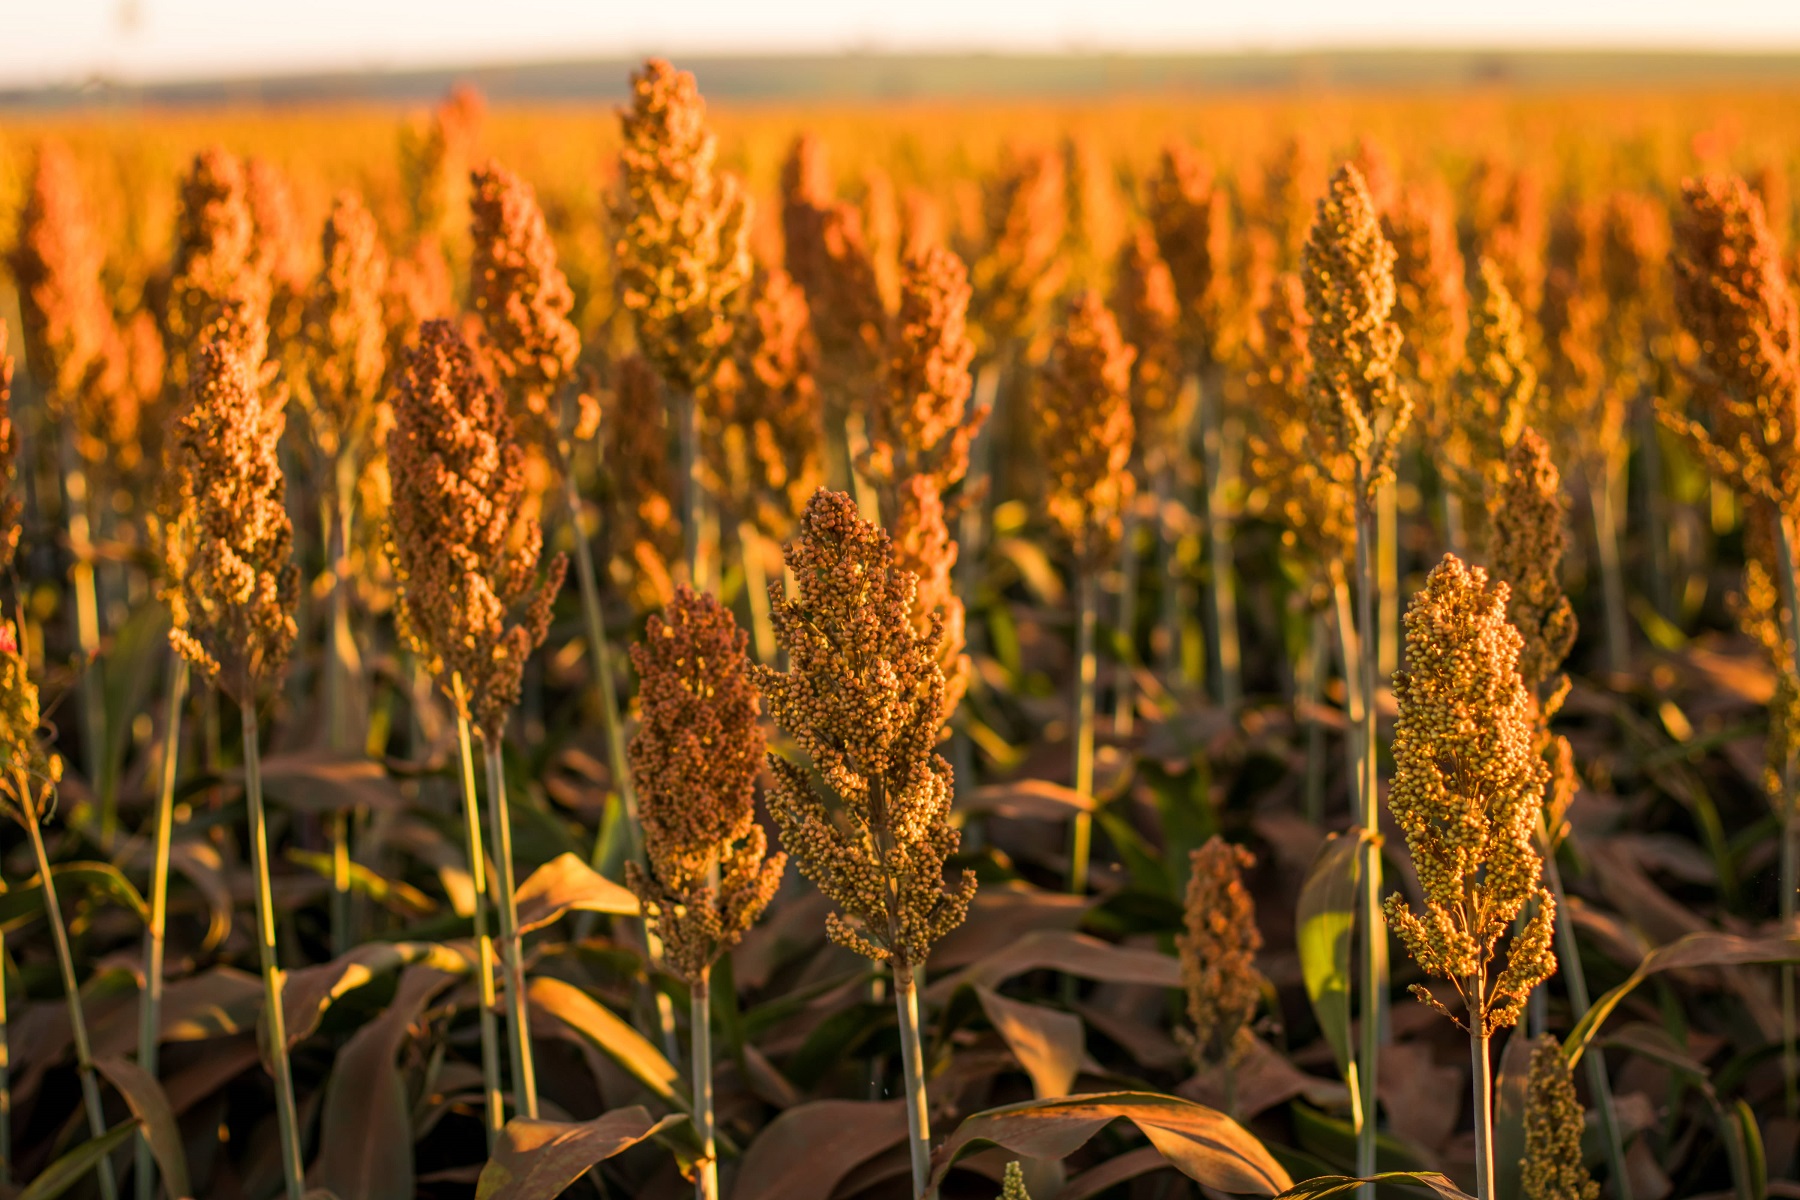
pixel 1387 572
pixel 338 733
pixel 687 414
pixel 1226 654
pixel 706 1178
pixel 484 945
pixel 1373 929
pixel 1790 854
pixel 1312 672
pixel 518 1016
pixel 1350 660
pixel 273 1018
pixel 1082 834
pixel 1124 686
pixel 150 1009
pixel 1454 534
pixel 1602 497
pixel 918 1116
pixel 87 640
pixel 1482 1073
pixel 1574 976
pixel 5 1080
pixel 84 1055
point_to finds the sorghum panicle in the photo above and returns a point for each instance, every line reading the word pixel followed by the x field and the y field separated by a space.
pixel 1526 552
pixel 9 465
pixel 1553 1168
pixel 1503 219
pixel 519 292
pixel 1018 267
pixel 1492 392
pixel 1468 783
pixel 1347 267
pixel 695 758
pixel 1190 214
pixel 1218 948
pixel 1084 428
pixel 862 698
pixel 215 264
pixel 472 601
pixel 278 249
pixel 1431 303
pixel 31 770
pixel 923 547
pixel 56 263
pixel 345 335
pixel 1149 316
pixel 646 532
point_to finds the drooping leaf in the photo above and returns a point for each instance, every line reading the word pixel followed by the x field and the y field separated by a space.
pixel 807 1150
pixel 1047 1042
pixel 577 1012
pixel 309 992
pixel 79 1162
pixel 1322 1186
pixel 1071 953
pixel 1112 1172
pixel 1031 799
pixel 365 1128
pixel 1204 1144
pixel 537 1160
pixel 24 902
pixel 1324 920
pixel 1509 1117
pixel 150 1106
pixel 566 883
pixel 396 895
pixel 1694 950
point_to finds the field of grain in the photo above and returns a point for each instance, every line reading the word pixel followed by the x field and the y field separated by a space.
pixel 1073 649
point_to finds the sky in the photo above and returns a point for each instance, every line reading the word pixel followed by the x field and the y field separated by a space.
pixel 71 41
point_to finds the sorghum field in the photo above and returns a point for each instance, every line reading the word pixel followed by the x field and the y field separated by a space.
pixel 1070 651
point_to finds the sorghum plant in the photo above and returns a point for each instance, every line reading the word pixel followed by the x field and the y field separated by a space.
pixel 1218 948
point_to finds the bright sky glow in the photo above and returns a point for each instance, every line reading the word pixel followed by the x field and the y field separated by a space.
pixel 66 41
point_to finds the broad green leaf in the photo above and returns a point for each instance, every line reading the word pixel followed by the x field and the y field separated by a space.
pixel 1694 950
pixel 72 1167
pixel 309 992
pixel 805 1152
pixel 1341 1185
pixel 537 1160
pixel 365 1125
pixel 150 1105
pixel 1205 1145
pixel 23 902
pixel 601 1028
pixel 1324 920
pixel 566 883
pixel 1047 1042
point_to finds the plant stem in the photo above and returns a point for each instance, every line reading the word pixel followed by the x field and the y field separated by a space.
pixel 1226 655
pixel 1350 660
pixel 971 541
pixel 912 1072
pixel 1387 572
pixel 1373 929
pixel 484 945
pixel 65 960
pixel 687 415
pixel 756 588
pixel 1484 1094
pixel 338 732
pixel 706 1178
pixel 150 1008
pixel 1602 498
pixel 518 1016
pixel 86 613
pixel 1082 831
pixel 1124 689
pixel 273 1017
pixel 1790 854
pixel 1574 976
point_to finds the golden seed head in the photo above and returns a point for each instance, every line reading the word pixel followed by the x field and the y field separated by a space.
pixel 1191 215
pixel 1468 783
pixel 1491 393
pixel 682 255
pixel 1347 267
pixel 862 698
pixel 1218 954
pixel 233 593
pixel 1012 1183
pixel 278 248
pixel 32 770
pixel 345 336
pixel 216 266
pixel 923 547
pixel 695 758
pixel 9 454
pixel 1503 219
pixel 1553 1168
pixel 829 256
pixel 1018 267
pixel 519 292
pixel 56 265
pixel 920 421
pixel 1431 305
pixel 472 602
pixel 1150 322
pixel 1733 297
pixel 433 154
pixel 1084 428
pixel 1526 549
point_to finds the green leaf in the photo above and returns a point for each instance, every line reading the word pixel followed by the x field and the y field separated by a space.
pixel 1205 1145
pixel 150 1105
pixel 25 901
pixel 1695 950
pixel 563 884
pixel 1324 921
pixel 602 1029
pixel 537 1160
pixel 1752 1177
pixel 1509 1118
pixel 72 1167
pixel 1338 1185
